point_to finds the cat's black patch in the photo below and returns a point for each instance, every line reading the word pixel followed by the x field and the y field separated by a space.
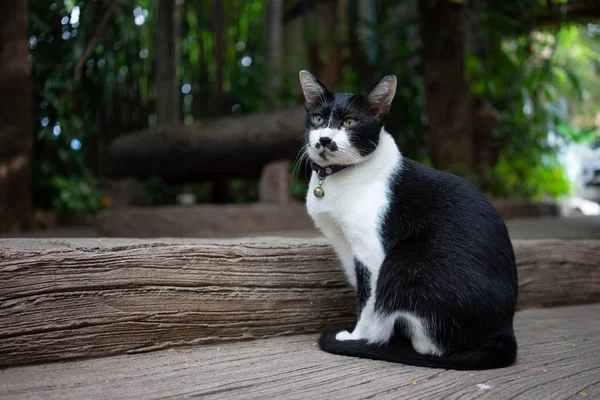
pixel 363 284
pixel 448 259
pixel 497 352
pixel 364 134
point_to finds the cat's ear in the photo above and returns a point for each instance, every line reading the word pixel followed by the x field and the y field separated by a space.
pixel 381 95
pixel 314 91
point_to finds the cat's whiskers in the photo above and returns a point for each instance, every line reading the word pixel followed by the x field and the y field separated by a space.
pixel 300 137
pixel 350 154
pixel 301 157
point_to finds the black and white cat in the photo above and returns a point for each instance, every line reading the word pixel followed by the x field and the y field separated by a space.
pixel 428 255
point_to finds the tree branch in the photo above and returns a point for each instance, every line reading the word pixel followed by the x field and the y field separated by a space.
pixel 95 39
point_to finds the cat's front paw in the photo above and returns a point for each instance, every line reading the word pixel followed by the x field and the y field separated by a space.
pixel 343 336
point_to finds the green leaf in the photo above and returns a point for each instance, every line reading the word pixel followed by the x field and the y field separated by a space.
pixel 575 82
pixel 54 101
pixel 42 25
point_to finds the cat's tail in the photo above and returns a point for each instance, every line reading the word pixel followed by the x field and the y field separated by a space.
pixel 500 351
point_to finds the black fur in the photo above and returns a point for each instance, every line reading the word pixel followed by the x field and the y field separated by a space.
pixel 363 284
pixel 452 249
pixel 449 260
pixel 496 353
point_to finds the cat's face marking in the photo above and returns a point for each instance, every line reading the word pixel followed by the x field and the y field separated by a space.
pixel 343 128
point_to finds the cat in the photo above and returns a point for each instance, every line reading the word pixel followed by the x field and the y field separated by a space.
pixel 429 257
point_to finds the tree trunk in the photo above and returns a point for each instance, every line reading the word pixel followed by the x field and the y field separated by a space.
pixel 217 18
pixel 220 192
pixel 485 116
pixel 274 50
pixel 202 104
pixel 447 95
pixel 331 56
pixel 324 49
pixel 309 33
pixel 486 146
pixel 16 119
pixel 295 51
pixel 168 36
pixel 357 57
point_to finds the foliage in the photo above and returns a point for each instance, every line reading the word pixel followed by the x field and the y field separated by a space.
pixel 540 82
pixel 75 196
pixel 202 191
pixel 157 192
pixel 394 48
pixel 74 112
pixel 244 191
pixel 244 53
pixel 516 174
pixel 79 116
pixel 299 188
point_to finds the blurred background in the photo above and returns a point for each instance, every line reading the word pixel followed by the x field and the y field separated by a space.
pixel 185 118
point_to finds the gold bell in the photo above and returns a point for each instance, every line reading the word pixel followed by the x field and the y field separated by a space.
pixel 319 192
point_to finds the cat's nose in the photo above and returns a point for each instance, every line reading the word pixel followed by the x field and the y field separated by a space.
pixel 325 141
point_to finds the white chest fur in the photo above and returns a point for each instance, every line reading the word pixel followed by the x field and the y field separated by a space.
pixel 355 200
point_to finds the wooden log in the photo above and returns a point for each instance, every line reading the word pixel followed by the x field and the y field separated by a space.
pixel 94 297
pixel 559 349
pixel 226 147
pixel 557 272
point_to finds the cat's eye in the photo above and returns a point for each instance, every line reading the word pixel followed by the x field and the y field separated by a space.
pixel 350 121
pixel 317 119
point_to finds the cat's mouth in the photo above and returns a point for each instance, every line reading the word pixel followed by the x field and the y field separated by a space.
pixel 325 154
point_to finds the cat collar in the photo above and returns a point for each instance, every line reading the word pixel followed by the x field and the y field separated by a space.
pixel 322 173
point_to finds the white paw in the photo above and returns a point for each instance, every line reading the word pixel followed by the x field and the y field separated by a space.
pixel 343 336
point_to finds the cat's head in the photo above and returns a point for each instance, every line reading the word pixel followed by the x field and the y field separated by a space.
pixel 344 128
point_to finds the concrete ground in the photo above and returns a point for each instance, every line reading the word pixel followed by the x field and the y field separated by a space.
pixel 580 227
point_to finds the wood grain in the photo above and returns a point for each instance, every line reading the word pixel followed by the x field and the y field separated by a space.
pixel 558 359
pixel 61 299
pixel 557 272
